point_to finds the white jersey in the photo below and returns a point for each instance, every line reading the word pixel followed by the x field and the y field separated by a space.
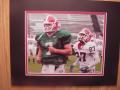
pixel 76 46
pixel 88 55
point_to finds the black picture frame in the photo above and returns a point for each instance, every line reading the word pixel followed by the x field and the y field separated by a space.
pixel 17 41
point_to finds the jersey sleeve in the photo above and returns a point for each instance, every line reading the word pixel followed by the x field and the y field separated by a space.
pixel 66 37
pixel 38 36
pixel 75 47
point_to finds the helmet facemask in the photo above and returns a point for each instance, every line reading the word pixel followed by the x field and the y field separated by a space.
pixel 50 24
pixel 81 37
pixel 84 35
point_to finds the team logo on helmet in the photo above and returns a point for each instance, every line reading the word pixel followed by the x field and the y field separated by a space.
pixel 50 24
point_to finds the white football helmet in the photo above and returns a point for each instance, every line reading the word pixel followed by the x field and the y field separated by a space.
pixel 50 24
pixel 84 35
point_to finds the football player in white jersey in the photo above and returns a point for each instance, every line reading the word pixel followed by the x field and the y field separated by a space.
pixel 85 49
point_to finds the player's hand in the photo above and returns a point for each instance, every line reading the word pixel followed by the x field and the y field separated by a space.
pixel 84 69
pixel 52 49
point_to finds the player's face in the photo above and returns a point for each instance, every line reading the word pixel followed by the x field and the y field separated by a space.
pixel 87 38
pixel 48 27
pixel 81 37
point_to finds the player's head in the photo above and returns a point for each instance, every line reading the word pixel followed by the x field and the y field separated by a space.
pixel 84 35
pixel 50 24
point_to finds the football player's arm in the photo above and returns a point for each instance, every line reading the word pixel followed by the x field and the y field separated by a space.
pixel 75 49
pixel 39 54
pixel 66 51
pixel 95 61
pixel 38 50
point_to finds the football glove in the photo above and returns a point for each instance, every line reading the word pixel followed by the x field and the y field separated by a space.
pixel 84 69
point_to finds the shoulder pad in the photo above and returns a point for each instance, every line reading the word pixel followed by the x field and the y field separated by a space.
pixel 62 33
pixel 38 36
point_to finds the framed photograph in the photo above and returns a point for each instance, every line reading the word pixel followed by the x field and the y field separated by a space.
pixel 66 41
pixel 84 53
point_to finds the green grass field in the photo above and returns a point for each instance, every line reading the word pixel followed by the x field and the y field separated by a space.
pixel 33 66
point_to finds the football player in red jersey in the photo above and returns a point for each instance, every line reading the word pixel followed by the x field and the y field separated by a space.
pixel 53 47
pixel 86 51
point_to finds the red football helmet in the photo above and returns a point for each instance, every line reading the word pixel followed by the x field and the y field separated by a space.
pixel 85 35
pixel 50 24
